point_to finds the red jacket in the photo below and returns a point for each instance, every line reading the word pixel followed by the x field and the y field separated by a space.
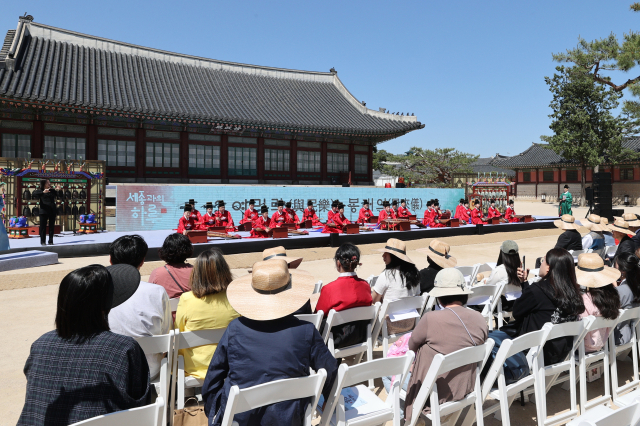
pixel 207 221
pixel 195 215
pixel 476 216
pixel 187 224
pixel 510 215
pixel 250 215
pixel 293 216
pixel 339 220
pixel 429 215
pixel 493 212
pixel 278 219
pixel 310 214
pixel 364 215
pixel 260 222
pixel 224 219
pixel 384 215
pixel 403 212
pixel 330 214
pixel 464 214
pixel 459 209
pixel 344 293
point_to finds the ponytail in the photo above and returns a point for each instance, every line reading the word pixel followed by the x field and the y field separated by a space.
pixel 349 257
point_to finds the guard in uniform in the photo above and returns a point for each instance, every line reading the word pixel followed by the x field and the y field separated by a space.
pixel 260 226
pixel 223 217
pixel 280 217
pixel 310 214
pixel 403 211
pixel 187 222
pixel 250 214
pixel 365 213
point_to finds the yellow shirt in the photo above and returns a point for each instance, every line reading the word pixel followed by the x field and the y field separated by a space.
pixel 212 311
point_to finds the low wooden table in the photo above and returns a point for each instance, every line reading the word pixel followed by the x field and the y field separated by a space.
pixel 450 223
pixel 246 227
pixel 18 232
pixel 400 225
pixel 197 236
pixel 351 228
pixel 526 218
pixel 219 229
pixel 493 221
pixel 279 232
pixel 306 224
pixel 373 219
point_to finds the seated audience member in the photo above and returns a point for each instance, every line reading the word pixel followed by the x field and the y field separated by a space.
pixel 267 343
pixel 634 226
pixel 509 270
pixel 450 329
pixel 629 291
pixel 570 239
pixel 145 311
pixel 439 258
pixel 601 298
pixel 609 241
pixel 175 275
pixel 292 262
pixel 348 291
pixel 621 232
pixel 594 240
pixel 555 298
pixel 81 369
pixel 205 307
pixel 400 276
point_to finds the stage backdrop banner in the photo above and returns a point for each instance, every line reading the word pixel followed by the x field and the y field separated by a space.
pixel 155 207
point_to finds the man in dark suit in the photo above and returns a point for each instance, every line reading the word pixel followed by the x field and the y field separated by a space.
pixel 570 239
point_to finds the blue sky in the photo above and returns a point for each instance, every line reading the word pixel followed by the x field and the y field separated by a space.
pixel 473 72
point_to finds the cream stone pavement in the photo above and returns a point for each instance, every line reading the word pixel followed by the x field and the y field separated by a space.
pixel 28 302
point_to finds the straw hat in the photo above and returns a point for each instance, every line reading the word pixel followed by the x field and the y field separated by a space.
pixel 449 282
pixel 566 222
pixel 631 219
pixel 439 253
pixel 594 223
pixel 604 222
pixel 397 248
pixel 592 273
pixel 271 291
pixel 622 226
pixel 280 253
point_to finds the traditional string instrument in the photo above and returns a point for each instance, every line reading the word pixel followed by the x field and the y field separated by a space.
pixel 212 234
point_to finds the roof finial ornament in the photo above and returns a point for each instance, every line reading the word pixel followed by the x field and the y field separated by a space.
pixel 26 17
pixel 364 103
pixel 333 70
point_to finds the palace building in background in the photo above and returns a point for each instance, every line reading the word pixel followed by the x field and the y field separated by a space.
pixel 164 117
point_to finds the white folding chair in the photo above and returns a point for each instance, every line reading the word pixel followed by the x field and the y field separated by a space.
pixel 428 304
pixel 443 364
pixel 469 272
pixel 315 319
pixel 627 416
pixel 623 395
pixel 368 313
pixel 174 303
pixel 149 415
pixel 241 400
pixel 159 345
pixel 489 295
pixel 185 340
pixel 416 303
pixel 317 287
pixel 506 394
pixel 375 411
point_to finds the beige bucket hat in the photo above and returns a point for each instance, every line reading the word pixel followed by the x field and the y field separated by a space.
pixel 280 253
pixel 594 223
pixel 620 225
pixel 439 253
pixel 566 222
pixel 449 282
pixel 631 219
pixel 397 248
pixel 592 273
pixel 271 291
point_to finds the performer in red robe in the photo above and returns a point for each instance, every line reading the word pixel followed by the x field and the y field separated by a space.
pixel 280 217
pixel 293 216
pixel 459 209
pixel 250 214
pixel 493 211
pixel 403 211
pixel 194 211
pixel 435 215
pixel 260 226
pixel 465 213
pixel 365 213
pixel 510 214
pixel 223 217
pixel 476 214
pixel 187 222
pixel 209 218
pixel 394 208
pixel 339 220
pixel 429 214
pixel 386 213
pixel 310 214
pixel 334 210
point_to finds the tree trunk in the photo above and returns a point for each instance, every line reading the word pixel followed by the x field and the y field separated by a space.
pixel 582 189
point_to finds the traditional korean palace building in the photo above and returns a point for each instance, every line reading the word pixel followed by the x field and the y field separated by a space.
pixel 539 172
pixel 158 116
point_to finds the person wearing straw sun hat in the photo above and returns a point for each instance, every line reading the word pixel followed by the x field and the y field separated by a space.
pixel 400 276
pixel 601 299
pixel 280 253
pixel 609 241
pixel 634 225
pixel 621 232
pixel 450 329
pixel 594 240
pixel 439 258
pixel 266 344
pixel 570 239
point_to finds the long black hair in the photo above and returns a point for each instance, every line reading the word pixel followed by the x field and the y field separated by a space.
pixel 607 300
pixel 629 265
pixel 511 264
pixel 408 271
pixel 349 256
pixel 43 182
pixel 562 277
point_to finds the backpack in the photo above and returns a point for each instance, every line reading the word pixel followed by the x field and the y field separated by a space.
pixel 515 367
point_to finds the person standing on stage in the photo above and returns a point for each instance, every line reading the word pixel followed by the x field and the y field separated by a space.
pixel 403 211
pixel 223 217
pixel 250 214
pixel 260 226
pixel 493 211
pixel 187 222
pixel 293 217
pixel 476 214
pixel 510 213
pixel 310 214
pixel 280 217
pixel 334 210
pixel 209 218
pixel 365 213
pixel 339 220
pixel 565 204
pixel 194 211
pixel 47 196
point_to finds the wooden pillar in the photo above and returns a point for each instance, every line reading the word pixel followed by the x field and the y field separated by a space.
pixel 323 163
pixel 37 139
pixel 260 160
pixel 352 161
pixel 92 142
pixel 184 156
pixel 294 161
pixel 224 159
pixel 141 154
pixel 370 165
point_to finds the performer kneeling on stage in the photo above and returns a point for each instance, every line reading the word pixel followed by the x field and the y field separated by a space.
pixel 187 222
pixel 209 218
pixel 293 217
pixel 403 211
pixel 510 214
pixel 280 217
pixel 476 214
pixel 335 224
pixel 223 217
pixel 250 214
pixel 493 211
pixel 310 214
pixel 435 215
pixel 386 213
pixel 260 226
pixel 194 211
pixel 465 214
pixel 365 213
pixel 333 211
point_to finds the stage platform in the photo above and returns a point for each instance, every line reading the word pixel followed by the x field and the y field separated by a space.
pixel 68 245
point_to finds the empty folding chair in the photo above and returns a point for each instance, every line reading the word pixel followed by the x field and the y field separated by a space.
pixel 408 305
pixel 374 411
pixel 506 394
pixel 625 394
pixel 443 364
pixel 159 345
pixel 149 415
pixel 241 400
pixel 317 287
pixel 468 272
pixel 627 416
pixel 487 295
pixel 315 319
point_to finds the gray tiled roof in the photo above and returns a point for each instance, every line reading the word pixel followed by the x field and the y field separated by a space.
pixel 540 155
pixel 64 67
pixel 488 165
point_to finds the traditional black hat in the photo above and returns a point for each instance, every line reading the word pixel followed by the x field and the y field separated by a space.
pixel 340 206
pixel 510 201
pixel 365 202
pixel 209 205
pixel 566 187
pixel 429 203
pixel 394 203
pixel 476 201
pixel 221 203
pixel 288 204
pixel 403 201
pixel 264 209
pixel 192 201
pixel 385 203
pixel 335 203
pixel 187 208
pixel 462 200
pixel 280 203
pixel 465 201
pixel 492 200
pixel 309 203
pixel 436 202
pixel 252 201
